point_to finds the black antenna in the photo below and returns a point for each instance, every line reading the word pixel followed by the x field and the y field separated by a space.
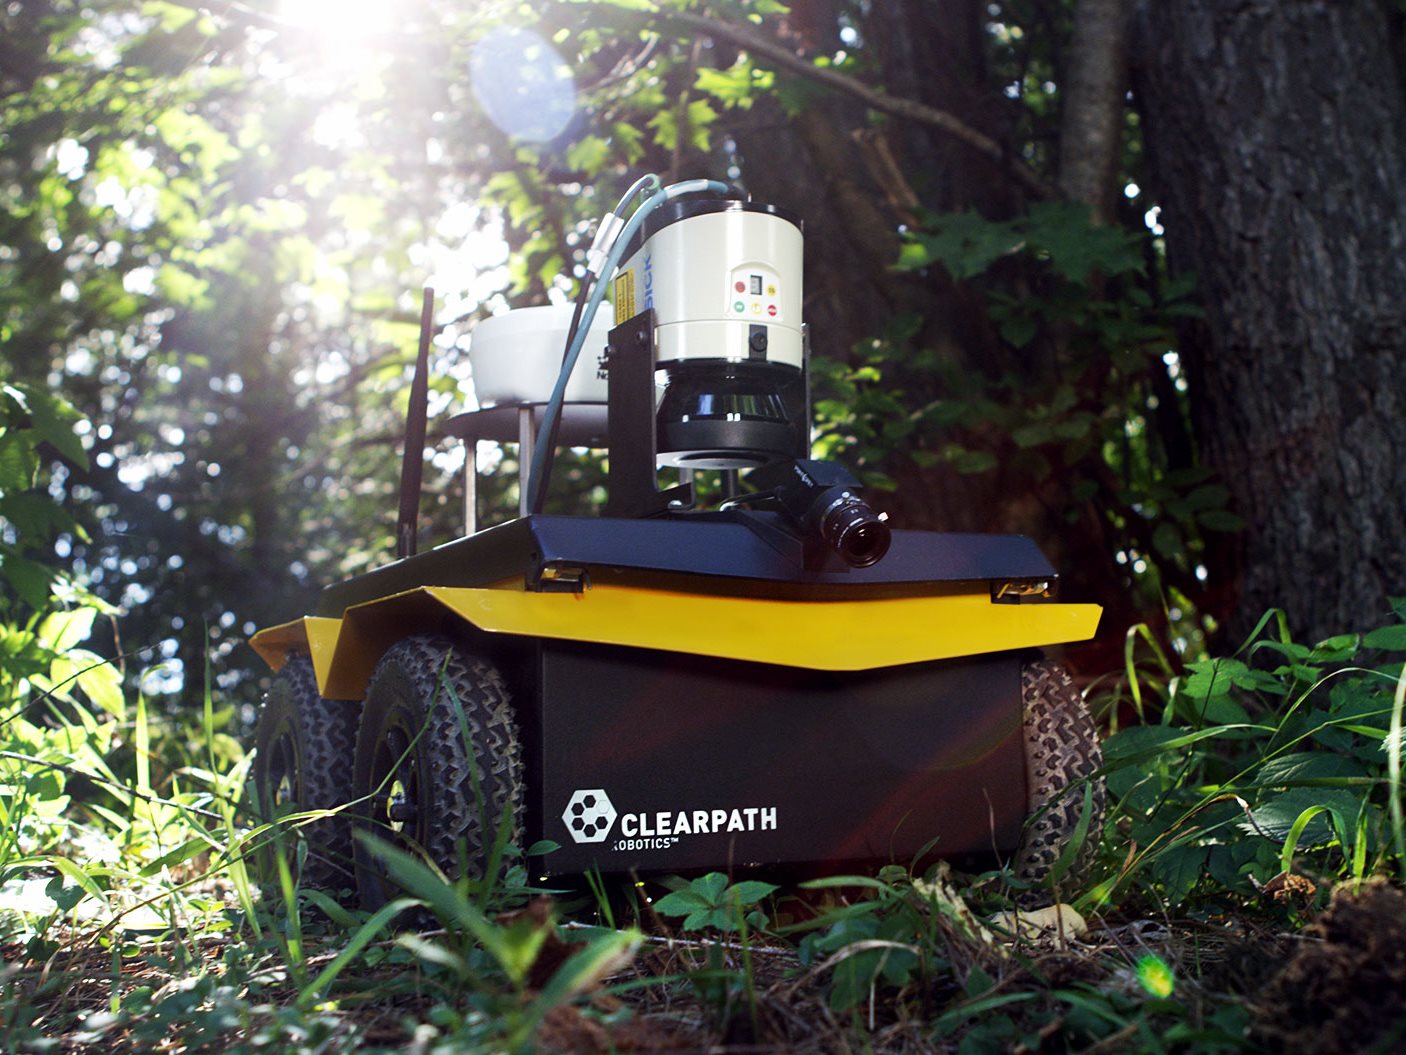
pixel 412 468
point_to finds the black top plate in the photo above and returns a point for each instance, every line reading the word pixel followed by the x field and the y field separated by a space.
pixel 709 544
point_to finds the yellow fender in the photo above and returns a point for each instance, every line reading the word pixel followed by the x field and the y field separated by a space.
pixel 845 634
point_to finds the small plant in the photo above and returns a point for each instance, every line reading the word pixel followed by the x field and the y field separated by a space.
pixel 1281 758
pixel 710 901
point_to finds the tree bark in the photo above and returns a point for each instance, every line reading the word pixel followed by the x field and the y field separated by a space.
pixel 1276 130
pixel 1091 131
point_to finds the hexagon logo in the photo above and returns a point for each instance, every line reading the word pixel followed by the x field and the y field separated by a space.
pixel 589 816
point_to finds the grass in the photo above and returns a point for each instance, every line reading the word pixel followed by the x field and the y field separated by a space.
pixel 1243 790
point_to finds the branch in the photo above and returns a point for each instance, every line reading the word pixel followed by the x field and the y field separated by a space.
pixel 875 98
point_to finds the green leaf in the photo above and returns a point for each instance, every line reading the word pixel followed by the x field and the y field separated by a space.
pixel 1220 520
pixel 680 903
pixel 1390 638
pixel 968 461
pixel 708 901
pixel 1166 540
pixel 54 419
pixel 178 286
pixel 62 631
pixel 78 875
pixel 629 140
pixel 1207 497
pixel 36 516
pixel 964 243
pixel 586 968
pixel 750 891
pixel 1018 331
pixel 30 580
pixel 1178 868
pixel 700 115
pixel 1307 768
pixel 179 855
pixel 19 462
pixel 442 898
pixel 101 682
pixel 369 931
pixel 1077 839
pixel 588 154
pixel 1076 246
pixel 666 129
pixel 736 86
pixel 1278 815
pixel 1033 434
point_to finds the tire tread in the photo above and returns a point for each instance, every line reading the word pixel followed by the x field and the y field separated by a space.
pixel 1062 756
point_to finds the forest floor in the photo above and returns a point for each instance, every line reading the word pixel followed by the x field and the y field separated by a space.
pixel 1239 982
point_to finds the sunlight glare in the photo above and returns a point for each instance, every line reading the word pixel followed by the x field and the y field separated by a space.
pixel 342 27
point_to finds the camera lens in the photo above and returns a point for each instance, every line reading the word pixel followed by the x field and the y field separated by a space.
pixel 855 532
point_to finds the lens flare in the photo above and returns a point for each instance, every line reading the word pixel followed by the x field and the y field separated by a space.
pixel 1155 976
pixel 523 85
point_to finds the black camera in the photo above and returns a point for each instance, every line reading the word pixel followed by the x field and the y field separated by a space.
pixel 821 499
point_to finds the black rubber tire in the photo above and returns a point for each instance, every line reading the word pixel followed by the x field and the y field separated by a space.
pixel 303 742
pixel 411 755
pixel 1062 758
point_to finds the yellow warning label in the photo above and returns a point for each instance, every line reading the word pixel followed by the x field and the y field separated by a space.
pixel 624 296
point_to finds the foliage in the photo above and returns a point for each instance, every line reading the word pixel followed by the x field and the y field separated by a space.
pixel 1084 331
pixel 32 422
pixel 1238 765
pixel 142 877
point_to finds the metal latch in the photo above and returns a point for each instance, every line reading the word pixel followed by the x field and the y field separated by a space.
pixel 557 579
pixel 1016 591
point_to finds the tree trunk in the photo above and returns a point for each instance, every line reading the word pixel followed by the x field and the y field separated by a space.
pixel 1092 100
pixel 1276 133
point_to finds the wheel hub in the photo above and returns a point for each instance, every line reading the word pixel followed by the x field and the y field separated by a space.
pixel 401 808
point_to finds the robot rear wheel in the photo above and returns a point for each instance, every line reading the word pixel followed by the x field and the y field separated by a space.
pixel 303 740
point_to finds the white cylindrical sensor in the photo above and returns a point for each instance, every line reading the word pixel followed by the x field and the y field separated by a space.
pixel 724 280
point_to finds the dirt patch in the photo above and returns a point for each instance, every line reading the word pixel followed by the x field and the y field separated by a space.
pixel 1345 988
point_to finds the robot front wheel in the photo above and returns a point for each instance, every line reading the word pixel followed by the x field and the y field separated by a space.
pixel 1063 780
pixel 438 764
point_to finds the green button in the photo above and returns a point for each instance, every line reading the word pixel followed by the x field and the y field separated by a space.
pixel 739 306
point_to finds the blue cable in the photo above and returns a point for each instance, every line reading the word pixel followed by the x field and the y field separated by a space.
pixel 558 397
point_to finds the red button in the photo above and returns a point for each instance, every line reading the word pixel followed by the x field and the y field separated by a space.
pixel 771 309
pixel 741 287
